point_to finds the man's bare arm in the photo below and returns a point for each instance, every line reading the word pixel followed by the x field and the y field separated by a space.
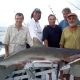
pixel 6 51
pixel 46 43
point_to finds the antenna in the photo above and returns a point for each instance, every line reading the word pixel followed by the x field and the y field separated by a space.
pixel 53 13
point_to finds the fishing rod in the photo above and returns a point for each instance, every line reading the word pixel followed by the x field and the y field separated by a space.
pixel 53 13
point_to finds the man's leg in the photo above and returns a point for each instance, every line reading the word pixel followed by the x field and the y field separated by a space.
pixel 66 76
pixel 62 76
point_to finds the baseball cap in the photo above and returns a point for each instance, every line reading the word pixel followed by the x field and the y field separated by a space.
pixel 72 14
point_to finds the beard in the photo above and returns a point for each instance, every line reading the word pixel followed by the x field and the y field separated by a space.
pixel 72 24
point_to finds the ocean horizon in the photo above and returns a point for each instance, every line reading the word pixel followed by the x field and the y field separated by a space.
pixel 2 33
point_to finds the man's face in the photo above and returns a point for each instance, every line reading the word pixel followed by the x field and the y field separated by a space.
pixel 19 19
pixel 36 16
pixel 72 20
pixel 51 20
pixel 65 14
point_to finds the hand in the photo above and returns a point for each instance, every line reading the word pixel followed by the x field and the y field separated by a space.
pixel 6 55
pixel 36 42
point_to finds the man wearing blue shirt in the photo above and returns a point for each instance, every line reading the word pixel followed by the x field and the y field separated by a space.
pixel 64 23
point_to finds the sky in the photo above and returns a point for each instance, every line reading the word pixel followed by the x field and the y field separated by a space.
pixel 8 9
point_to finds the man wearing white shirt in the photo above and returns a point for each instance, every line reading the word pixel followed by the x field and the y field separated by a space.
pixel 34 28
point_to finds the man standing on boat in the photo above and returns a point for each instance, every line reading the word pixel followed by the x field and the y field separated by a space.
pixel 34 28
pixel 16 36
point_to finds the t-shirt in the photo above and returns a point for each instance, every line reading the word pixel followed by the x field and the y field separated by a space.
pixel 52 35
pixel 71 39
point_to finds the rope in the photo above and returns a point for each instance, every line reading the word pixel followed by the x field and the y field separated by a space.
pixel 53 13
pixel 73 5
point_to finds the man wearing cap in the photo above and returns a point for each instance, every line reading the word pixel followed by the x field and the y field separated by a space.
pixel 71 39
pixel 35 30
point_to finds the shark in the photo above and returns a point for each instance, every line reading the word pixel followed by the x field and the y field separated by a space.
pixel 34 53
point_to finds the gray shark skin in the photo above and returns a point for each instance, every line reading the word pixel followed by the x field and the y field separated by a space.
pixel 6 66
pixel 4 72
